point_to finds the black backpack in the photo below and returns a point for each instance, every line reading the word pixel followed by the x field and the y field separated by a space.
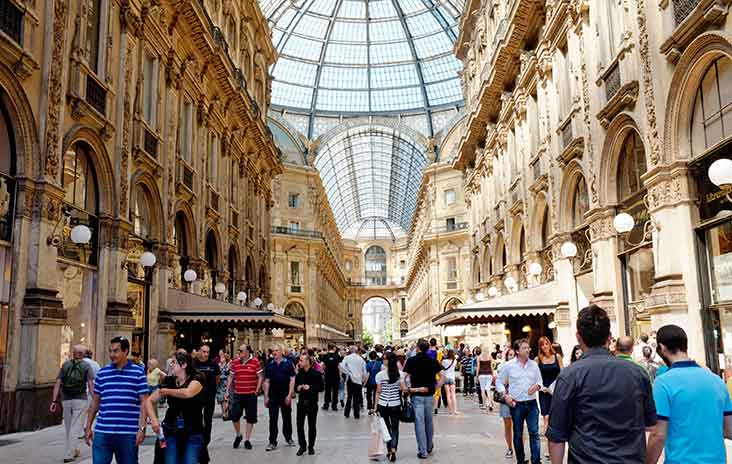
pixel 74 379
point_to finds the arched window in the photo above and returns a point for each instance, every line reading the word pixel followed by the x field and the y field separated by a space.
pixel 580 203
pixel 233 269
pixel 375 266
pixel 711 121
pixel 546 228
pixel 403 329
pixel 295 311
pixel 487 265
pixel 79 181
pixel 522 244
pixel 452 303
pixel 179 235
pixel 140 216
pixel 631 166
pixel 7 173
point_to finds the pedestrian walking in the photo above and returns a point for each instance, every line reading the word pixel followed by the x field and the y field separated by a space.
pixel 550 365
pixel 212 376
pixel 504 411
pixel 223 386
pixel 354 367
pixel 601 404
pixel 308 384
pixel 182 428
pixel 119 389
pixel 524 380
pixel 279 388
pixel 246 375
pixel 421 371
pixel 467 368
pixel 389 387
pixel 73 384
pixel 373 367
pixel 692 404
pixel 448 370
pixel 649 363
pixel 484 369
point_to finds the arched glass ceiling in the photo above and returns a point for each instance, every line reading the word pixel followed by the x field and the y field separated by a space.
pixel 364 56
pixel 371 172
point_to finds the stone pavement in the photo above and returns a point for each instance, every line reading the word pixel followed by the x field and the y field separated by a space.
pixel 473 436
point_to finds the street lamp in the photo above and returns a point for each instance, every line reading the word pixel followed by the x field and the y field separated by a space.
pixel 480 296
pixel 190 276
pixel 270 307
pixel 510 283
pixel 720 173
pixel 81 234
pixel 257 302
pixel 535 269
pixel 220 288
pixel 492 292
pixel 569 250
pixel 147 260
pixel 241 297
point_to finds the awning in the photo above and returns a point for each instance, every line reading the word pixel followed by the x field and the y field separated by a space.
pixel 191 308
pixel 453 331
pixel 535 301
pixel 332 330
pixel 421 331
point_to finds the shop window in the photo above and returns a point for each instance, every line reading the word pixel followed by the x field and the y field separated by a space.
pixel 294 226
pixel 450 224
pixel 631 167
pixel 712 118
pixel 79 181
pixel 7 174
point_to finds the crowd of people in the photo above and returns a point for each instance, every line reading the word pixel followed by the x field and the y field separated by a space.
pixel 612 401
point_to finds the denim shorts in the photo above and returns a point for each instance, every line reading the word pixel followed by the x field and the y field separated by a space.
pixel 505 411
pixel 449 381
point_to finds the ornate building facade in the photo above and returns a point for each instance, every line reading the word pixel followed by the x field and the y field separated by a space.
pixel 144 122
pixel 577 112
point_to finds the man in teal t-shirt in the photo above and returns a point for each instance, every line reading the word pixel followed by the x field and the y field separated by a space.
pixel 693 407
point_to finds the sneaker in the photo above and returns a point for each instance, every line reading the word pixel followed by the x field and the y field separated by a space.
pixel 237 441
pixel 68 459
pixel 300 452
pixel 509 453
pixel 430 449
pixel 435 411
pixel 290 442
pixel 270 447
pixel 248 444
pixel 335 409
pixel 311 451
pixel 422 456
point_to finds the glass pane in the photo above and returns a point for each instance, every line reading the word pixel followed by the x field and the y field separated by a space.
pixel 640 272
pixel 719 250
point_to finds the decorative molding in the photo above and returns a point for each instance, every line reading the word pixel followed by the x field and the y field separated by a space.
pixel 668 185
pixel 55 90
pixel 706 13
pixel 625 97
pixel 649 99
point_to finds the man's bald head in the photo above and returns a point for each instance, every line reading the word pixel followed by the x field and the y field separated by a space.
pixel 624 345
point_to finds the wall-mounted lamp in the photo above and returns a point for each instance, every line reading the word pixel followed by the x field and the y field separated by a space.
pixel 80 233
pixel 220 288
pixel 624 223
pixel 480 296
pixel 148 259
pixel 257 302
pixel 510 284
pixel 493 292
pixel 241 297
pixel 720 173
pixel 526 329
pixel 535 269
pixel 569 250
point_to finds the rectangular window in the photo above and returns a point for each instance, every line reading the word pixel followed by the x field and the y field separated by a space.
pixel 295 273
pixel 293 200
pixel 185 140
pixel 150 89
pixel 213 162
pixel 404 306
pixel 93 29
pixel 613 21
pixel 449 197
pixel 451 269
pixel 450 224
pixel 233 181
pixel 294 226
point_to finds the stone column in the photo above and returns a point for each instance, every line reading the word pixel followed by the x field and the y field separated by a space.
pixel 565 315
pixel 675 297
pixel 606 269
pixel 118 319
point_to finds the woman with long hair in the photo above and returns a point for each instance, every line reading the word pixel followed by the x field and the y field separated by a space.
pixel 505 411
pixel 389 388
pixel 484 369
pixel 448 366
pixel 576 354
pixel 550 364
pixel 224 365
pixel 182 427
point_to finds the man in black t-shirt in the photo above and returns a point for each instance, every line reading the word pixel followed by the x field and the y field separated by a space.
pixel 421 370
pixel 212 374
pixel 331 361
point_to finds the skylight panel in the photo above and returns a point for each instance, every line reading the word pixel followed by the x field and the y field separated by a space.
pixel 384 31
pixel 382 9
pixel 439 69
pixel 339 77
pixel 345 54
pixel 312 26
pixel 291 95
pixel 436 44
pixel 349 31
pixel 391 53
pixel 444 92
pixel 306 49
pixel 423 24
pixel 394 76
pixel 295 72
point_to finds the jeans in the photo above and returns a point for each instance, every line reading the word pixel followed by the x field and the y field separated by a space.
pixel 391 414
pixel 184 452
pixel 371 397
pixel 331 393
pixel 275 405
pixel 526 411
pixel 307 410
pixel 208 410
pixel 468 384
pixel 74 412
pixel 423 409
pixel 355 398
pixel 120 445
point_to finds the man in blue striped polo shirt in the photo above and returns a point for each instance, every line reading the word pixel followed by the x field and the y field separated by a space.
pixel 120 387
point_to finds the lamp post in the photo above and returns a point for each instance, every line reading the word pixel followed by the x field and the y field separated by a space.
pixel 190 276
pixel 147 260
pixel 241 297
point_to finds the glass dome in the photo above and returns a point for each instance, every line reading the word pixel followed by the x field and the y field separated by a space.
pixel 364 56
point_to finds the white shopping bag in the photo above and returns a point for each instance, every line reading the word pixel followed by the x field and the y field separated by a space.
pixel 385 435
pixel 377 447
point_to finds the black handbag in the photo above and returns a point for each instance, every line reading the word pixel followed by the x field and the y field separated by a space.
pixel 407 414
pixel 499 397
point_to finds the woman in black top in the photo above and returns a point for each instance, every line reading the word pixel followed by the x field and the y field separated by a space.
pixel 182 437
pixel 549 365
pixel 308 383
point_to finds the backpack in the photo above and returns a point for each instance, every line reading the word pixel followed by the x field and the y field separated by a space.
pixel 74 379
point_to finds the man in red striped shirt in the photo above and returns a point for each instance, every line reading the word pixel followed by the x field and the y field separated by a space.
pixel 246 373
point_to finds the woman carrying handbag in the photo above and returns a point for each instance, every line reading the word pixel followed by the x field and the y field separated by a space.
pixel 389 388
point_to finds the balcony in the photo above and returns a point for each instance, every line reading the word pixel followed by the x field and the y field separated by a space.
pixel 212 203
pixel 612 81
pixel 297 232
pixel 451 228
pixel 689 19
pixel 11 21
pixel 96 95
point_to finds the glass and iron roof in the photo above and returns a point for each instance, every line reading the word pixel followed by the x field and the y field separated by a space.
pixel 364 56
pixel 371 176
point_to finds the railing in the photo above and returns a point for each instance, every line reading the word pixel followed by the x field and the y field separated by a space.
pixel 297 232
pixel 451 228
pixel 683 8
pixel 185 174
pixel 11 20
pixel 96 96
pixel 150 143
pixel 612 81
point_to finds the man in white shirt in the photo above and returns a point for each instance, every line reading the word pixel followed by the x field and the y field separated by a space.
pixel 354 367
pixel 524 380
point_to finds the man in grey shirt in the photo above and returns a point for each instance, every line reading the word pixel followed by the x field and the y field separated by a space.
pixel 602 405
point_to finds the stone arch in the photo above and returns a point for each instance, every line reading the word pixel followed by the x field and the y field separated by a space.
pixel 500 255
pixel 689 71
pixel 403 329
pixel 572 176
pixel 295 309
pixel 487 264
pixel 234 256
pixel 539 215
pixel 184 214
pixel 28 157
pixel 212 248
pixel 514 240
pixel 476 271
pixel 617 131
pixel 451 302
pixel 152 193
pixel 107 194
